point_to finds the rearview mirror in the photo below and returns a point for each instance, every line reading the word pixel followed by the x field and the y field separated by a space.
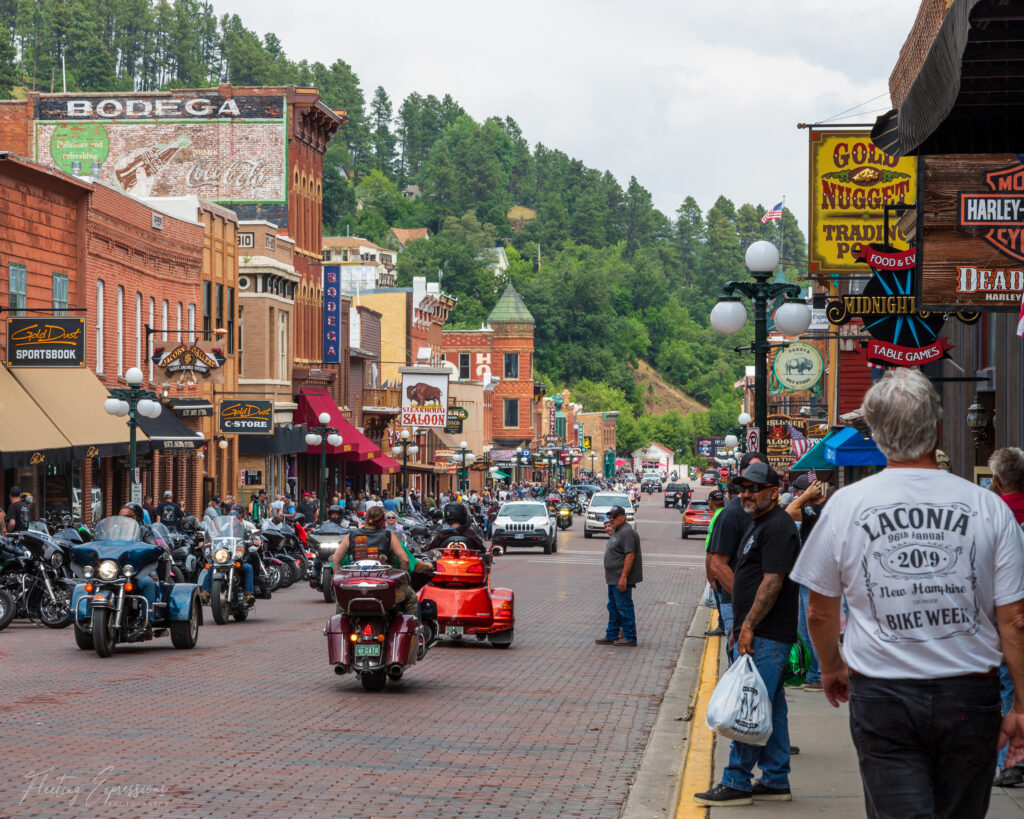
pixel 497 551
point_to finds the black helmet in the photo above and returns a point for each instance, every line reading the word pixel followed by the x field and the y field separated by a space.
pixel 456 513
pixel 136 510
pixel 191 524
pixel 335 509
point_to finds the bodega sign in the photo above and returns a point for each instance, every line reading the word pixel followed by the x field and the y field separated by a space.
pixel 53 341
pixel 424 397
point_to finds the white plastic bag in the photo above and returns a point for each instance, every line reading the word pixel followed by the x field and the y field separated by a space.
pixel 708 601
pixel 739 707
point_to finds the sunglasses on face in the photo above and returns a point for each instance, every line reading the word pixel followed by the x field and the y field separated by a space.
pixel 754 488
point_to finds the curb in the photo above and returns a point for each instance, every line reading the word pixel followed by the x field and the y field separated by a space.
pixel 655 791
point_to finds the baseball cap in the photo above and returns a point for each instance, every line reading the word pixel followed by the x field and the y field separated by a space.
pixel 801 483
pixel 716 496
pixel 758 473
pixel 168 493
pixel 615 511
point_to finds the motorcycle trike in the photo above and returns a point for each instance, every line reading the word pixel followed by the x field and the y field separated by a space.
pixel 120 601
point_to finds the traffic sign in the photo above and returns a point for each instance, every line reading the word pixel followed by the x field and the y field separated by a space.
pixel 723 472
pixel 754 439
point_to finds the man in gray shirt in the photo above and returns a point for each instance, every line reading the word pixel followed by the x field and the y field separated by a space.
pixel 623 569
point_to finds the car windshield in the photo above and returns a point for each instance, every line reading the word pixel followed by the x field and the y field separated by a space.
pixel 225 526
pixel 523 510
pixel 699 506
pixel 612 500
pixel 118 527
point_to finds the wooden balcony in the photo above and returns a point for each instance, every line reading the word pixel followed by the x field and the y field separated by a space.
pixel 382 400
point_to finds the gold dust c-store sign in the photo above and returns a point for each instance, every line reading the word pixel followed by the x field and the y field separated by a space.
pixel 851 181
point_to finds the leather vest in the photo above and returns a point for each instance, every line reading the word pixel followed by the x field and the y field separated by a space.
pixel 371 544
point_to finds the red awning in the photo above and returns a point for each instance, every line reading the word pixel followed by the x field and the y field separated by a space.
pixel 354 447
pixel 381 465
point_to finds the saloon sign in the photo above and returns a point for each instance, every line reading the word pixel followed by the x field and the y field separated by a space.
pixel 189 361
pixel 247 417
pixel 46 342
pixel 971 232
pixel 424 397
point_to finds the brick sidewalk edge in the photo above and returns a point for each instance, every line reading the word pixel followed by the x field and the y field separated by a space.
pixel 654 793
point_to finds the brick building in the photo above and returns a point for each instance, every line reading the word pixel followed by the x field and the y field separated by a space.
pixel 503 349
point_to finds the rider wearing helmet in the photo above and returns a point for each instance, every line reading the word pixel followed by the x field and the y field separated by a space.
pixel 458 529
pixel 334 513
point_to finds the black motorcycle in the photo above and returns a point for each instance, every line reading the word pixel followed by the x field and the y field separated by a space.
pixel 230 550
pixel 34 573
pixel 323 542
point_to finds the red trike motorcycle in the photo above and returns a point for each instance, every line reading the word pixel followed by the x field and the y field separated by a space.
pixel 466 603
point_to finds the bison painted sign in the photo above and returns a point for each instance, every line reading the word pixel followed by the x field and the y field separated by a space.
pixel 424 397
pixel 798 367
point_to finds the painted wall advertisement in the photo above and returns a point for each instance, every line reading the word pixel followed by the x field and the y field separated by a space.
pixel 230 150
pixel 424 397
pixel 851 181
pixel 50 341
pixel 246 417
pixel 971 233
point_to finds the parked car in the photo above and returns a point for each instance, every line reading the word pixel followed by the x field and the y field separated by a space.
pixel 709 478
pixel 598 510
pixel 524 523
pixel 677 494
pixel 696 518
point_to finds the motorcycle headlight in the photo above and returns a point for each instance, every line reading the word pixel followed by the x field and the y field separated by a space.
pixel 88 572
pixel 107 570
pixel 221 556
pixel 128 570
pixel 328 548
pixel 57 558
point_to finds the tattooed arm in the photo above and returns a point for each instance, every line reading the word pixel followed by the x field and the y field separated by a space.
pixel 767 594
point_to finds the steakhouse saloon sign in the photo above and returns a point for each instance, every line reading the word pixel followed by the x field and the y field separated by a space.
pixel 971 233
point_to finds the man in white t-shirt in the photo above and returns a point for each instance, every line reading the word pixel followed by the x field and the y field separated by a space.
pixel 932 568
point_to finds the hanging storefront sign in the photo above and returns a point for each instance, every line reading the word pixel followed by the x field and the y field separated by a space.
pixel 332 318
pixel 971 232
pixel 191 360
pixel 901 335
pixel 798 367
pixel 51 341
pixel 424 397
pixel 851 181
pixel 246 417
pixel 456 415
pixel 782 432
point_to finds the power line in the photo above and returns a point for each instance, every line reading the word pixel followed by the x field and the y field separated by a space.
pixel 854 108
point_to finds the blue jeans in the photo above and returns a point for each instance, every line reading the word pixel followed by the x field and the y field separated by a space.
pixel 725 612
pixel 246 570
pixel 813 669
pixel 621 614
pixel 1006 695
pixel 770 658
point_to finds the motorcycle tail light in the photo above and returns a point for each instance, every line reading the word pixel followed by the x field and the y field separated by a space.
pixel 505 610
pixel 367 630
pixel 439 568
pixel 353 637
pixel 380 638
pixel 477 569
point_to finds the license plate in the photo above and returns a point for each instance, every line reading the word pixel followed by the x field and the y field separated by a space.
pixel 453 631
pixel 368 651
pixel 519 537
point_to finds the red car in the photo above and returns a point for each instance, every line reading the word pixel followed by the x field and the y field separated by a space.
pixel 709 478
pixel 696 518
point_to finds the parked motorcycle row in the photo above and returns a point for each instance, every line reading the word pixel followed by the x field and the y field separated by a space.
pixel 122 583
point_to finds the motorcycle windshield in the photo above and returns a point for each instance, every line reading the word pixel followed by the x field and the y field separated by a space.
pixel 118 527
pixel 162 535
pixel 225 527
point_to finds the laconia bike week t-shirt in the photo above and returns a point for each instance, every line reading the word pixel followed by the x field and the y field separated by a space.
pixel 923 557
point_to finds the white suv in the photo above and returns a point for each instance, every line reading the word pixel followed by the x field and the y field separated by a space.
pixel 525 523
pixel 598 509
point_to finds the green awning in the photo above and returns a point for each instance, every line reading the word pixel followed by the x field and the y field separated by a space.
pixel 814 458
pixel 499 474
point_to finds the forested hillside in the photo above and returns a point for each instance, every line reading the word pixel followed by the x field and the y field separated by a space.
pixel 609 278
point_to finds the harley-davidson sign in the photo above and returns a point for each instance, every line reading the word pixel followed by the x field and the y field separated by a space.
pixel 971 232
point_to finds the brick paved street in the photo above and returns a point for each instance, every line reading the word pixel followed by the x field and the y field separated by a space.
pixel 254 722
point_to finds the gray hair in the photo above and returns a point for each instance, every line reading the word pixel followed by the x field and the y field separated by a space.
pixel 903 410
pixel 1007 464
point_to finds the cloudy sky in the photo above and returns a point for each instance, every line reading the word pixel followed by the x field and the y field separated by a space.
pixel 692 98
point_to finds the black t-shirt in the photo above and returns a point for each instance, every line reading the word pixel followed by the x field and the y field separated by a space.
pixel 170 514
pixel 809 516
pixel 21 513
pixel 305 508
pixel 769 546
pixel 726 536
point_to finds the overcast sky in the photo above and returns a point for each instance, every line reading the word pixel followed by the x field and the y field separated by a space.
pixel 692 98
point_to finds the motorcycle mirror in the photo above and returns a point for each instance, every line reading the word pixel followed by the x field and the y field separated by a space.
pixel 497 551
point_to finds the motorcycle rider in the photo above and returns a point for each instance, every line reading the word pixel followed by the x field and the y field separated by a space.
pixel 459 529
pixel 247 572
pixel 334 513
pixel 147 584
pixel 375 542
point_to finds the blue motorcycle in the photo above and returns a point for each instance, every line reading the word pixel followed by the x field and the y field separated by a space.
pixel 119 600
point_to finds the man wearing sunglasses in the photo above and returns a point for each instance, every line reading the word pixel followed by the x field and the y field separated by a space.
pixel 623 569
pixel 765 605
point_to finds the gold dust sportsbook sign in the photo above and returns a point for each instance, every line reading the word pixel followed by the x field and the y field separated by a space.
pixel 971 233
pixel 851 182
pixel 53 341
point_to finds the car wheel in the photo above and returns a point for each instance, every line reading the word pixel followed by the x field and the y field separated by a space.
pixel 686 532
pixel 554 540
pixel 587 533
pixel 547 545
pixel 185 633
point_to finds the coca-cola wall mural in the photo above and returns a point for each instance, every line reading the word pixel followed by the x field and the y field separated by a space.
pixel 227 150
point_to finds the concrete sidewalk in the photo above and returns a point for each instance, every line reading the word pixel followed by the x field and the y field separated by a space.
pixel 825 779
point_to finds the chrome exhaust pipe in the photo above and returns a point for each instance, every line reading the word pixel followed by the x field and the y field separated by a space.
pixel 340 669
pixel 395 671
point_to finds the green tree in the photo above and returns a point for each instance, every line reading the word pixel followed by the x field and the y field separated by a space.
pixel 384 141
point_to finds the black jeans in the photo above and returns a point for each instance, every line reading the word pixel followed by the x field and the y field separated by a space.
pixel 927 748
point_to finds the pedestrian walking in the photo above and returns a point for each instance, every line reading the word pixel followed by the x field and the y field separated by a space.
pixel 716 502
pixel 623 569
pixel 169 513
pixel 19 513
pixel 932 568
pixel 765 604
pixel 805 508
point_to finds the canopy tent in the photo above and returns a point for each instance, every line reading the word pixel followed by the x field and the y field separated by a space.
pixel 814 458
pixel 849 447
pixel 620 462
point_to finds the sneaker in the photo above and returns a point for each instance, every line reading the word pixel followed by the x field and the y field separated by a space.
pixel 722 794
pixel 205 596
pixel 625 643
pixel 794 750
pixel 813 686
pixel 762 793
pixel 1009 778
pixel 604 641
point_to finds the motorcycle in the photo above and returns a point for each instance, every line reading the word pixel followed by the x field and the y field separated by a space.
pixel 229 549
pixel 563 516
pixel 324 541
pixel 371 637
pixel 465 602
pixel 34 574
pixel 107 605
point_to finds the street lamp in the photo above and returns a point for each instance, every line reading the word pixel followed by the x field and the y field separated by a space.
pixel 321 436
pixel 133 402
pixel 405 447
pixel 729 315
pixel 467 456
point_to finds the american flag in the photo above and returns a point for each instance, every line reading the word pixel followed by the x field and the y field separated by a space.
pixel 800 442
pixel 774 213
pixel 811 477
